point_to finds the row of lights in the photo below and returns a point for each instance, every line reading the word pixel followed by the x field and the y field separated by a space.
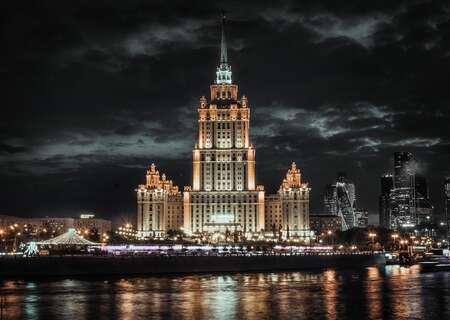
pixel 15 227
pixel 414 240
pixel 12 228
pixel 126 230
pixel 105 237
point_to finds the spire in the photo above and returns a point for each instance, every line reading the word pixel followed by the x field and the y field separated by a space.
pixel 223 72
pixel 223 43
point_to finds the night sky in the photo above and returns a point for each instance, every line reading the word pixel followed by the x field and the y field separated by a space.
pixel 95 91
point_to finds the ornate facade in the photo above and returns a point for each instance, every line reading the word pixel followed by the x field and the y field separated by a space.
pixel 224 197
pixel 160 205
pixel 294 200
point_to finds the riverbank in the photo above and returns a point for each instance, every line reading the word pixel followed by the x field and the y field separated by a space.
pixel 389 292
pixel 147 265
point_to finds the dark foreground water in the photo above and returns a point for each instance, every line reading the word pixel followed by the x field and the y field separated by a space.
pixel 368 293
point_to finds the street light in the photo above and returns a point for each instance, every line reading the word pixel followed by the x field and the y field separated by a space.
pixel 394 236
pixel 372 236
pixel 330 233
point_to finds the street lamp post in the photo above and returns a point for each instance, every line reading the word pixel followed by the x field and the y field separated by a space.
pixel 372 236
pixel 394 236
pixel 330 234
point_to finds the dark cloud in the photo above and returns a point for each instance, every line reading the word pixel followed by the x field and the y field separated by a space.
pixel 95 91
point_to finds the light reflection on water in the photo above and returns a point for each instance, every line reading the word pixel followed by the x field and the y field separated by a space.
pixel 371 293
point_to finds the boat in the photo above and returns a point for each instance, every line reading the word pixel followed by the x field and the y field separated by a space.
pixel 436 260
pixel 402 258
pixel 391 258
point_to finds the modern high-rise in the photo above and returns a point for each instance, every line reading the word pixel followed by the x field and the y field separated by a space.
pixel 386 186
pixel 339 199
pixel 402 197
pixel 447 204
pixel 404 169
pixel 406 205
pixel 224 197
pixel 330 200
pixel 423 206
pixel 361 218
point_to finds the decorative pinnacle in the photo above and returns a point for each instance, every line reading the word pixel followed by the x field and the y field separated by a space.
pixel 223 43
pixel 223 73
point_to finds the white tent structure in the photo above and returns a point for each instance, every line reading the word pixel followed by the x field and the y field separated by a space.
pixel 70 238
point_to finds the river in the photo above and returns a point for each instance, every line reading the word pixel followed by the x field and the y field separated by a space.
pixel 389 292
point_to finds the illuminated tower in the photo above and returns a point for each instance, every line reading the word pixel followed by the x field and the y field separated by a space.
pixel 402 198
pixel 159 205
pixel 447 204
pixel 223 201
pixel 224 196
pixel 294 199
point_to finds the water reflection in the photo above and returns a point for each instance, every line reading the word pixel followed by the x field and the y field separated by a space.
pixel 405 290
pixel 372 293
pixel 31 301
pixel 330 286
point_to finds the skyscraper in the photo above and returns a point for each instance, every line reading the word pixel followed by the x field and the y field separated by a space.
pixel 424 209
pixel 447 203
pixel 403 213
pixel 330 199
pixel 224 194
pixel 361 218
pixel 340 199
pixel 404 169
pixel 386 186
pixel 407 204
pixel 224 197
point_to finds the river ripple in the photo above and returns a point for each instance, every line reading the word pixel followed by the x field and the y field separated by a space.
pixel 368 293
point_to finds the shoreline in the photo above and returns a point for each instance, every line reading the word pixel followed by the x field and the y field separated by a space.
pixel 73 266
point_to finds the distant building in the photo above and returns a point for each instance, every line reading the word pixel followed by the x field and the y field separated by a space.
pixel 424 209
pixel 447 203
pixel 339 200
pixel 52 226
pixel 402 204
pixel 386 184
pixel 89 222
pixel 330 200
pixel 404 169
pixel 362 218
pixel 407 204
pixel 321 223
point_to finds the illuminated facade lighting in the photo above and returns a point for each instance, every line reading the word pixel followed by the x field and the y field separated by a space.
pixel 224 197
